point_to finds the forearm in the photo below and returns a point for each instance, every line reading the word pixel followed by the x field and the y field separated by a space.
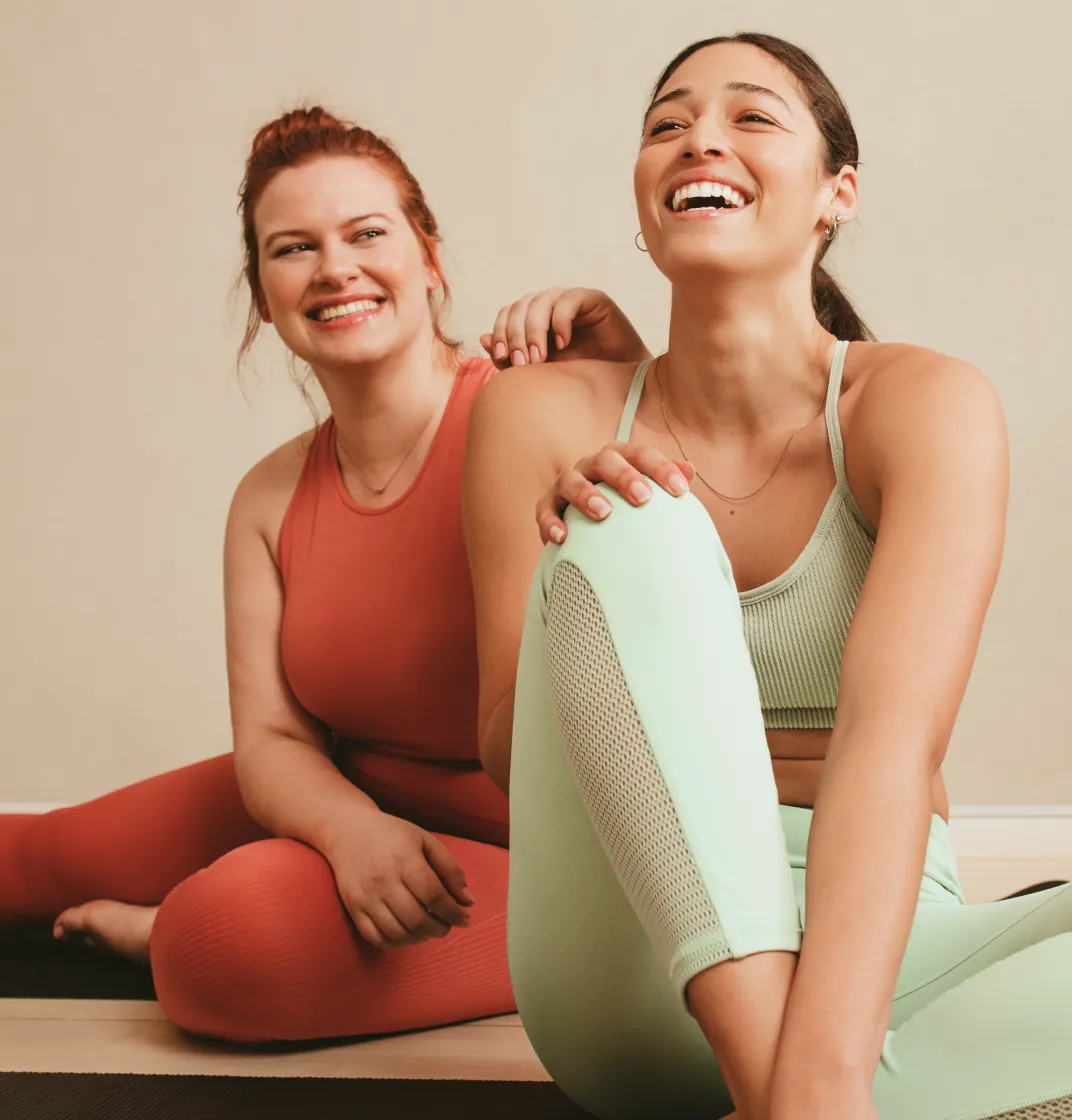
pixel 496 740
pixel 866 854
pixel 294 789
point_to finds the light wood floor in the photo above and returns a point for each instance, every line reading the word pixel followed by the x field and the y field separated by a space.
pixel 117 1036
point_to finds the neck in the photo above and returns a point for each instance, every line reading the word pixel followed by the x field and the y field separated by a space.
pixel 380 407
pixel 744 356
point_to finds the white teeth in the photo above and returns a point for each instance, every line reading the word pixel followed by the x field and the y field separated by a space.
pixel 326 314
pixel 707 189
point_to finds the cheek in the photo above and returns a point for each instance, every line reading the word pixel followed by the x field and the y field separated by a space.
pixel 282 287
pixel 646 174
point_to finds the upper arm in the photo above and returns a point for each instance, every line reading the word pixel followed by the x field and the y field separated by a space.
pixel 937 453
pixel 262 703
pixel 509 464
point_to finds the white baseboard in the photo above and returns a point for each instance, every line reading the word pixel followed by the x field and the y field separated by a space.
pixel 977 831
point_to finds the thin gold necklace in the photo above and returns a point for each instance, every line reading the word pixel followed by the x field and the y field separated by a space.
pixel 718 493
pixel 378 490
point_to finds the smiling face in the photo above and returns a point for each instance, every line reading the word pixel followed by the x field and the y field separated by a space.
pixel 344 277
pixel 731 172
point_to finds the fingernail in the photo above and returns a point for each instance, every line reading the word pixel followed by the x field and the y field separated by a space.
pixel 518 357
pixel 639 492
pixel 557 534
pixel 467 894
pixel 599 506
pixel 500 351
pixel 677 482
pixel 534 353
pixel 560 342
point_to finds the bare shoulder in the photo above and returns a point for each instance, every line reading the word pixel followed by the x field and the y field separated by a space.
pixel 893 382
pixel 908 411
pixel 261 499
pixel 560 409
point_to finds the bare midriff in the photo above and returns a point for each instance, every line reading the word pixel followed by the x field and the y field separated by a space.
pixel 798 758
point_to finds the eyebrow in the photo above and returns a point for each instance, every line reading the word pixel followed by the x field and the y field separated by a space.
pixel 302 233
pixel 750 87
pixel 731 87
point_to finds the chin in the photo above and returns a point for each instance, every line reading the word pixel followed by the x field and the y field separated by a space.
pixel 705 262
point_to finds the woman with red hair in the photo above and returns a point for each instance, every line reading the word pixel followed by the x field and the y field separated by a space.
pixel 344 871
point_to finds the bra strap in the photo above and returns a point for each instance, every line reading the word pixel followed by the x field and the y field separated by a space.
pixel 833 433
pixel 625 425
pixel 833 424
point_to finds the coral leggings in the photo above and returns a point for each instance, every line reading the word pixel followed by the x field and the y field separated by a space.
pixel 252 942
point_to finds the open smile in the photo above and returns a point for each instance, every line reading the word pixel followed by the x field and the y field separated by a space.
pixel 337 315
pixel 708 195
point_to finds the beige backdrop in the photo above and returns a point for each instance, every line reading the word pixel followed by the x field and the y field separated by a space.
pixel 123 429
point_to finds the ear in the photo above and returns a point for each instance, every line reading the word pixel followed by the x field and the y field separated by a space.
pixel 844 196
pixel 263 312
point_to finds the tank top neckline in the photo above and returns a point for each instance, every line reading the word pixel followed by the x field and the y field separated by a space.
pixel 840 495
pixel 332 455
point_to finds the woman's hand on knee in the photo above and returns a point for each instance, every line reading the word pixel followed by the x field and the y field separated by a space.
pixel 626 468
pixel 399 884
pixel 561 324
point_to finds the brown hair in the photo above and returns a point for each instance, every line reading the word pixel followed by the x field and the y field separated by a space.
pixel 302 135
pixel 832 307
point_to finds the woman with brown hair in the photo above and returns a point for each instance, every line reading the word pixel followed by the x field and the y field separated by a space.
pixel 726 699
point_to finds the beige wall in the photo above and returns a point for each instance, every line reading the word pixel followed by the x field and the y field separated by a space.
pixel 123 431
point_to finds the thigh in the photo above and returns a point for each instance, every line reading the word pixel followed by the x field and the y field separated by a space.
pixel 950 943
pixel 996 1045
pixel 259 947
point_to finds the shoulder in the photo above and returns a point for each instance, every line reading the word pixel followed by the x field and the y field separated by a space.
pixel 562 401
pixel 915 410
pixel 261 499
pixel 894 381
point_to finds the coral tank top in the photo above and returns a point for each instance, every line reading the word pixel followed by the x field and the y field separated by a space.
pixel 379 635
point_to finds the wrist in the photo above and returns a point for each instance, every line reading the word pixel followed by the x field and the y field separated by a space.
pixel 338 832
pixel 804 1083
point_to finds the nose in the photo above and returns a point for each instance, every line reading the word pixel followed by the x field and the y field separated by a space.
pixel 705 138
pixel 337 263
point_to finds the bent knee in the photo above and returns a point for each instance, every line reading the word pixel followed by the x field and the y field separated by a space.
pixel 239 949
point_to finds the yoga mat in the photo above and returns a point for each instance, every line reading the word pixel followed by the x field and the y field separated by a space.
pixel 118 1096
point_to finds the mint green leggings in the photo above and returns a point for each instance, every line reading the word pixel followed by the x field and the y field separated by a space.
pixel 647 843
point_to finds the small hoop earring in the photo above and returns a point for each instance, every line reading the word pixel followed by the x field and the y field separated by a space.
pixel 636 242
pixel 831 230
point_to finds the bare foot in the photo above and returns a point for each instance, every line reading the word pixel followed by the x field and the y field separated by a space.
pixel 117 927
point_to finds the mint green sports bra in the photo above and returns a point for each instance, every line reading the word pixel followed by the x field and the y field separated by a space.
pixel 797 623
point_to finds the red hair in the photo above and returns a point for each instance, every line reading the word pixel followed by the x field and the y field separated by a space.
pixel 305 134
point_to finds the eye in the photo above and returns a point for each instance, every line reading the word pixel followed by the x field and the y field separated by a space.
pixel 666 126
pixel 368 234
pixel 755 118
pixel 290 250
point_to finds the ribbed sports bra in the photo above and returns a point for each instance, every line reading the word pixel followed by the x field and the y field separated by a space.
pixel 796 624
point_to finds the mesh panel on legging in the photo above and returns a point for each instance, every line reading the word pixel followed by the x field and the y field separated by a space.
pixel 1047 1110
pixel 620 780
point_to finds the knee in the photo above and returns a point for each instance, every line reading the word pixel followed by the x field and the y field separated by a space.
pixel 667 543
pixel 232 949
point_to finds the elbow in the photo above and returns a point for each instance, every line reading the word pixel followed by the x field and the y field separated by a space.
pixel 495 734
pixel 496 765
